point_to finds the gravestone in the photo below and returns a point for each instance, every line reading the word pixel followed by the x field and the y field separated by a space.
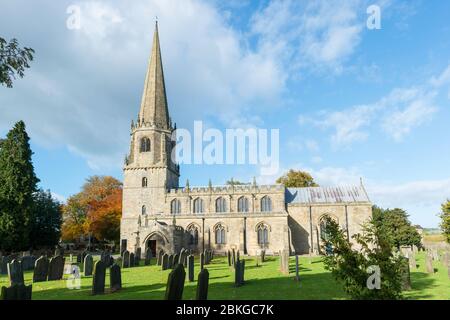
pixel 83 255
pixel 28 262
pixel 98 279
pixel 412 261
pixel 406 276
pixel 41 269
pixel 263 255
pixel 131 260
pixel 229 258
pixel 190 263
pixel 15 272
pixel 170 262
pixel 160 256
pixel 176 260
pixel 284 261
pixel 202 261
pixel 56 268
pixel 88 265
pixel 165 262
pixel 202 285
pixel 148 257
pixel 429 264
pixel 16 292
pixel 446 259
pixel 115 278
pixel 4 264
pixel 137 257
pixel 79 258
pixel 111 261
pixel 126 259
pixel 233 257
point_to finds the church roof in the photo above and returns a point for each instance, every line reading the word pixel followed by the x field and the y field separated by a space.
pixel 342 194
pixel 154 109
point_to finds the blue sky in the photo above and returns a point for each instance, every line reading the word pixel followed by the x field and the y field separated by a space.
pixel 349 102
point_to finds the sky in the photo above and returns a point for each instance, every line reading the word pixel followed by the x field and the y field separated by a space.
pixel 350 102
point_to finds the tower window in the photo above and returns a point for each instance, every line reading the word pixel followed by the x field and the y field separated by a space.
pixel 198 205
pixel 144 182
pixel 242 204
pixel 175 206
pixel 266 204
pixel 145 145
pixel 221 205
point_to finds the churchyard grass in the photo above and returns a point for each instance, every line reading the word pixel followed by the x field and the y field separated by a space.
pixel 261 282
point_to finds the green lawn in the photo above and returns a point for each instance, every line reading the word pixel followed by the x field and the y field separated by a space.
pixel 263 282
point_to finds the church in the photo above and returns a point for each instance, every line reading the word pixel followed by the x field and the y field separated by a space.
pixel 159 214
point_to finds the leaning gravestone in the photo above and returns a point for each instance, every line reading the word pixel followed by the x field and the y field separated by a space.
pixel 115 278
pixel 98 280
pixel 15 272
pixel 131 260
pixel 41 269
pixel 148 257
pixel 16 292
pixel 429 263
pixel 125 259
pixel 88 265
pixel 56 268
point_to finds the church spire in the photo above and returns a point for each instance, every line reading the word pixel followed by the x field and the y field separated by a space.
pixel 154 108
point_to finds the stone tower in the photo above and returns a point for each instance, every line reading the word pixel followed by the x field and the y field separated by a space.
pixel 149 170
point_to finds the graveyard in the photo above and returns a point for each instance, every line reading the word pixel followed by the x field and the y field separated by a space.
pixel 262 280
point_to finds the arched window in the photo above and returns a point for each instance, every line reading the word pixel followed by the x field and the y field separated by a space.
pixel 144 182
pixel 263 235
pixel 242 204
pixel 198 205
pixel 145 145
pixel 175 206
pixel 266 204
pixel 323 228
pixel 193 235
pixel 144 210
pixel 220 234
pixel 221 205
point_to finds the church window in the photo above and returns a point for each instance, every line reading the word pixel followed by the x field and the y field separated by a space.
pixel 144 182
pixel 242 204
pixel 263 234
pixel 266 204
pixel 220 234
pixel 145 145
pixel 144 210
pixel 221 205
pixel 198 205
pixel 193 235
pixel 323 228
pixel 175 206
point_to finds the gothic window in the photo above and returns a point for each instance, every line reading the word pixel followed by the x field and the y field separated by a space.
pixel 242 204
pixel 198 205
pixel 175 206
pixel 145 145
pixel 193 235
pixel 263 234
pixel 144 210
pixel 220 234
pixel 266 204
pixel 323 228
pixel 221 205
pixel 144 182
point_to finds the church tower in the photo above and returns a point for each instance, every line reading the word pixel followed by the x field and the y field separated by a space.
pixel 149 170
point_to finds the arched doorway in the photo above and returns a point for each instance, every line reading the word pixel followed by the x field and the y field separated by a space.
pixel 156 241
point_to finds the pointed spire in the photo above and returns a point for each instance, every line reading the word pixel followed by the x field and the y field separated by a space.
pixel 154 101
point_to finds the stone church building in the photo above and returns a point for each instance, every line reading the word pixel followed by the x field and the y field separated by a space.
pixel 159 214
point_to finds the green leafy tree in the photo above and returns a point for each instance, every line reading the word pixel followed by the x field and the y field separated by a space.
pixel 46 220
pixel 352 267
pixel 297 179
pixel 233 182
pixel 397 227
pixel 18 183
pixel 445 220
pixel 13 61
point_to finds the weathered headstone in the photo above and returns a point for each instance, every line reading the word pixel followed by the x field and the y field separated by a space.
pixel 285 261
pixel 15 272
pixel 229 258
pixel 28 262
pixel 131 260
pixel 175 283
pixel 190 263
pixel 148 257
pixel 115 278
pixel 406 277
pixel 170 263
pixel 41 269
pixel 16 292
pixel 233 257
pixel 137 257
pixel 4 260
pixel 429 264
pixel 176 260
pixel 98 279
pixel 160 256
pixel 202 285
pixel 202 261
pixel 56 268
pixel 263 255
pixel 412 261
pixel 126 259
pixel 165 262
pixel 88 265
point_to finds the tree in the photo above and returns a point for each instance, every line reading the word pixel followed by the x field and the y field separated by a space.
pixel 397 227
pixel 233 182
pixel 297 179
pixel 18 183
pixel 13 61
pixel 95 210
pixel 445 220
pixel 354 267
pixel 46 220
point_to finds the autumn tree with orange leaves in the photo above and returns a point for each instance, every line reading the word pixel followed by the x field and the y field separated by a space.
pixel 95 210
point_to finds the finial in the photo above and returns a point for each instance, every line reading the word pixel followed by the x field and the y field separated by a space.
pixel 209 183
pixel 360 181
pixel 187 184
pixel 254 181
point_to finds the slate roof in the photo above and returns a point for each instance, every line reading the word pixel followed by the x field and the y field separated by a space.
pixel 342 194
